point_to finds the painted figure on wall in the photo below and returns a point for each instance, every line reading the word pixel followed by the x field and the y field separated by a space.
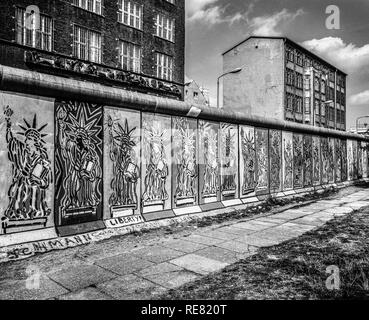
pixel 229 160
pixel 288 163
pixel 355 159
pixel 31 170
pixel 249 156
pixel 125 170
pixel 325 160
pixel 338 160
pixel 344 160
pixel 157 170
pixel 262 159
pixel 275 160
pixel 185 156
pixel 298 161
pixel 360 161
pixel 76 138
pixel 308 161
pixel 211 161
pixel 316 160
pixel 331 164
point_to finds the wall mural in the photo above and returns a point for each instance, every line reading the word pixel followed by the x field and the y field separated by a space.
pixel 331 165
pixel 316 161
pixel 26 174
pixel 298 165
pixel 247 161
pixel 355 159
pixel 350 159
pixel 338 160
pixel 325 159
pixel 185 166
pixel 344 176
pixel 360 160
pixel 229 161
pixel 209 162
pixel 121 162
pixel 78 162
pixel 308 161
pixel 262 160
pixel 287 161
pixel 275 150
pixel 156 163
pixel 365 159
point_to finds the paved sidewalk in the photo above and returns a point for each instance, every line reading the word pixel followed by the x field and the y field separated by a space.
pixel 123 269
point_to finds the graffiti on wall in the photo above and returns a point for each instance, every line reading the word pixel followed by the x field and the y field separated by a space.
pixel 121 162
pixel 365 159
pixel 355 159
pixel 298 161
pixel 360 160
pixel 78 162
pixel 229 161
pixel 185 171
pixel 350 159
pixel 325 159
pixel 247 161
pixel 338 160
pixel 262 157
pixel 316 161
pixel 287 160
pixel 344 173
pixel 308 161
pixel 331 164
pixel 275 155
pixel 156 157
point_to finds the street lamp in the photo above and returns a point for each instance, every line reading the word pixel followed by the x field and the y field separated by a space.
pixel 357 122
pixel 237 70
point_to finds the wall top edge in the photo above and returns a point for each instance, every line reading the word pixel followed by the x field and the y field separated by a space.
pixel 42 84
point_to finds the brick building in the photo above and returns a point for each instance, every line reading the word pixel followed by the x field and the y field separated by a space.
pixel 135 45
pixel 283 80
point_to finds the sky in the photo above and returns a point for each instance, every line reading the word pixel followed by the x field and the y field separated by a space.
pixel 214 26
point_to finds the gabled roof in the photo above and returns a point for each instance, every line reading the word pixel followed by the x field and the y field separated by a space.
pixel 291 42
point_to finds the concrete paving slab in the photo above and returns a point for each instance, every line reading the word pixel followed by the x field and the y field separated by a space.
pixel 238 246
pixel 124 264
pixel 85 294
pixel 199 264
pixel 171 280
pixel 339 210
pixel 184 246
pixel 157 254
pixel 219 235
pixel 160 268
pixel 131 287
pixel 236 231
pixel 203 240
pixel 218 254
pixel 273 219
pixel 258 241
pixel 79 277
pixel 17 290
pixel 254 225
pixel 289 214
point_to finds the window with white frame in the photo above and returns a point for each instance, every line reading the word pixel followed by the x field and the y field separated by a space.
pixel 87 44
pixel 130 13
pixel 164 66
pixel 165 27
pixel 29 35
pixel 130 56
pixel 90 5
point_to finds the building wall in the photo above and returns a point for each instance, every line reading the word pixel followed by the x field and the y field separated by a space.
pixel 66 15
pixel 194 94
pixel 259 88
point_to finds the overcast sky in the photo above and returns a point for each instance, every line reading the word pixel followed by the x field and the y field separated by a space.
pixel 213 26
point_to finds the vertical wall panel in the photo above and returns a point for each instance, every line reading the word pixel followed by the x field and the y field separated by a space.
pixel 262 160
pixel 331 177
pixel 229 161
pixel 298 165
pixel 308 161
pixel 185 164
pixel 122 162
pixel 350 159
pixel 360 160
pixel 275 155
pixel 338 160
pixel 316 161
pixel 287 160
pixel 355 160
pixel 365 159
pixel 26 158
pixel 325 160
pixel 344 159
pixel 247 161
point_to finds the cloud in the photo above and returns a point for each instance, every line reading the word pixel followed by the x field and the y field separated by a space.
pixel 194 6
pixel 267 25
pixel 348 57
pixel 360 98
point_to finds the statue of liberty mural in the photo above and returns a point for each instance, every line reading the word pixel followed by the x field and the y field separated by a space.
pixel 248 154
pixel 211 161
pixel 125 170
pixel 31 170
pixel 185 142
pixel 81 160
pixel 157 170
pixel 229 159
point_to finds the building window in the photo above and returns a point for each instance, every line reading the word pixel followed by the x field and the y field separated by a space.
pixel 165 27
pixel 87 44
pixel 299 81
pixel 307 105
pixel 289 102
pixel 322 109
pixel 130 56
pixel 323 87
pixel 298 104
pixel 317 84
pixel 290 77
pixel 130 13
pixel 90 5
pixel 317 107
pixel 40 38
pixel 164 66
pixel 331 114
pixel 307 83
pixel 290 55
pixel 299 59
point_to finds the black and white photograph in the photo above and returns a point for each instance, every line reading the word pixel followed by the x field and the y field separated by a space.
pixel 184 155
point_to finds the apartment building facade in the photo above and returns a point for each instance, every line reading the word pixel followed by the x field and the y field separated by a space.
pixel 136 45
pixel 283 80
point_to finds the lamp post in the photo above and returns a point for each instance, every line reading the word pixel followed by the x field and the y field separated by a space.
pixel 237 70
